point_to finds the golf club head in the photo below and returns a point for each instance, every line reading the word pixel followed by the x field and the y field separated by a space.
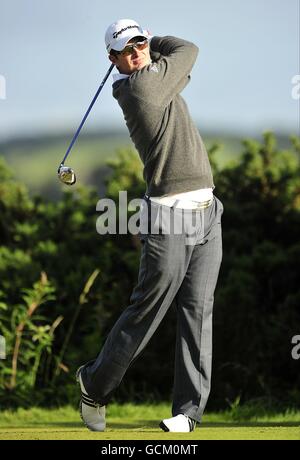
pixel 66 175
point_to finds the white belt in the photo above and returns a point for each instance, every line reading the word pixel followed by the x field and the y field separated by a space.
pixel 186 204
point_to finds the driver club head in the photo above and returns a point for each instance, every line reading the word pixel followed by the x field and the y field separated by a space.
pixel 66 175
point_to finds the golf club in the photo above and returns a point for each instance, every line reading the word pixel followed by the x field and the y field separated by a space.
pixel 65 173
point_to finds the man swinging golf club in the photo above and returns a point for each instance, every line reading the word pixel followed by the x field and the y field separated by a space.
pixel 152 73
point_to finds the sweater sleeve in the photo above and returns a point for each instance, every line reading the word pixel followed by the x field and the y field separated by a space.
pixel 160 81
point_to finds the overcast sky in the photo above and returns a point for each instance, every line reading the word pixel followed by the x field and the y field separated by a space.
pixel 52 59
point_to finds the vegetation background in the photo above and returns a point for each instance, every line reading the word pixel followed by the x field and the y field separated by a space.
pixel 63 285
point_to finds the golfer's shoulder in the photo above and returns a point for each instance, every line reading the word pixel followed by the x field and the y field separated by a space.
pixel 142 81
pixel 128 91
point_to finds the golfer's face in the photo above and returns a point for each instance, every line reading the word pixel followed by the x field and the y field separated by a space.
pixel 138 58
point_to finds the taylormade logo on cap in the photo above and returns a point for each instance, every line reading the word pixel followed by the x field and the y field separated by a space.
pixel 115 35
pixel 120 32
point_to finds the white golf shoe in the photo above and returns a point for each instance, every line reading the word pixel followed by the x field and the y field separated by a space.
pixel 91 413
pixel 179 424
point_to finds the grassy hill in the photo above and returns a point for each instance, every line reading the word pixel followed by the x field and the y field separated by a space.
pixel 35 160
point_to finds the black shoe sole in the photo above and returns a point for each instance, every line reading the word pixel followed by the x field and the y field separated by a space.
pixel 163 427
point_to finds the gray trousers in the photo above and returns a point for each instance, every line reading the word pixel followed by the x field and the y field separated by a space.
pixel 180 267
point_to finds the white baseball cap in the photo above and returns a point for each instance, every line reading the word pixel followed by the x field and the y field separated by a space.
pixel 120 32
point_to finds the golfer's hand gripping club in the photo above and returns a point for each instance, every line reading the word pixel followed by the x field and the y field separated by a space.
pixel 65 173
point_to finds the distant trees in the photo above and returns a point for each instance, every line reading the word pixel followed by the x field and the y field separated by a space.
pixel 63 285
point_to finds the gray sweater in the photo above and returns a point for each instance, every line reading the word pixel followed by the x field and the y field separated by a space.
pixel 169 144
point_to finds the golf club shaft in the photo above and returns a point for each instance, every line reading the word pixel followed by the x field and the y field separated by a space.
pixel 87 112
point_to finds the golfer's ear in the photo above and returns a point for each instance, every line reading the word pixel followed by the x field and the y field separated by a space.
pixel 113 59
